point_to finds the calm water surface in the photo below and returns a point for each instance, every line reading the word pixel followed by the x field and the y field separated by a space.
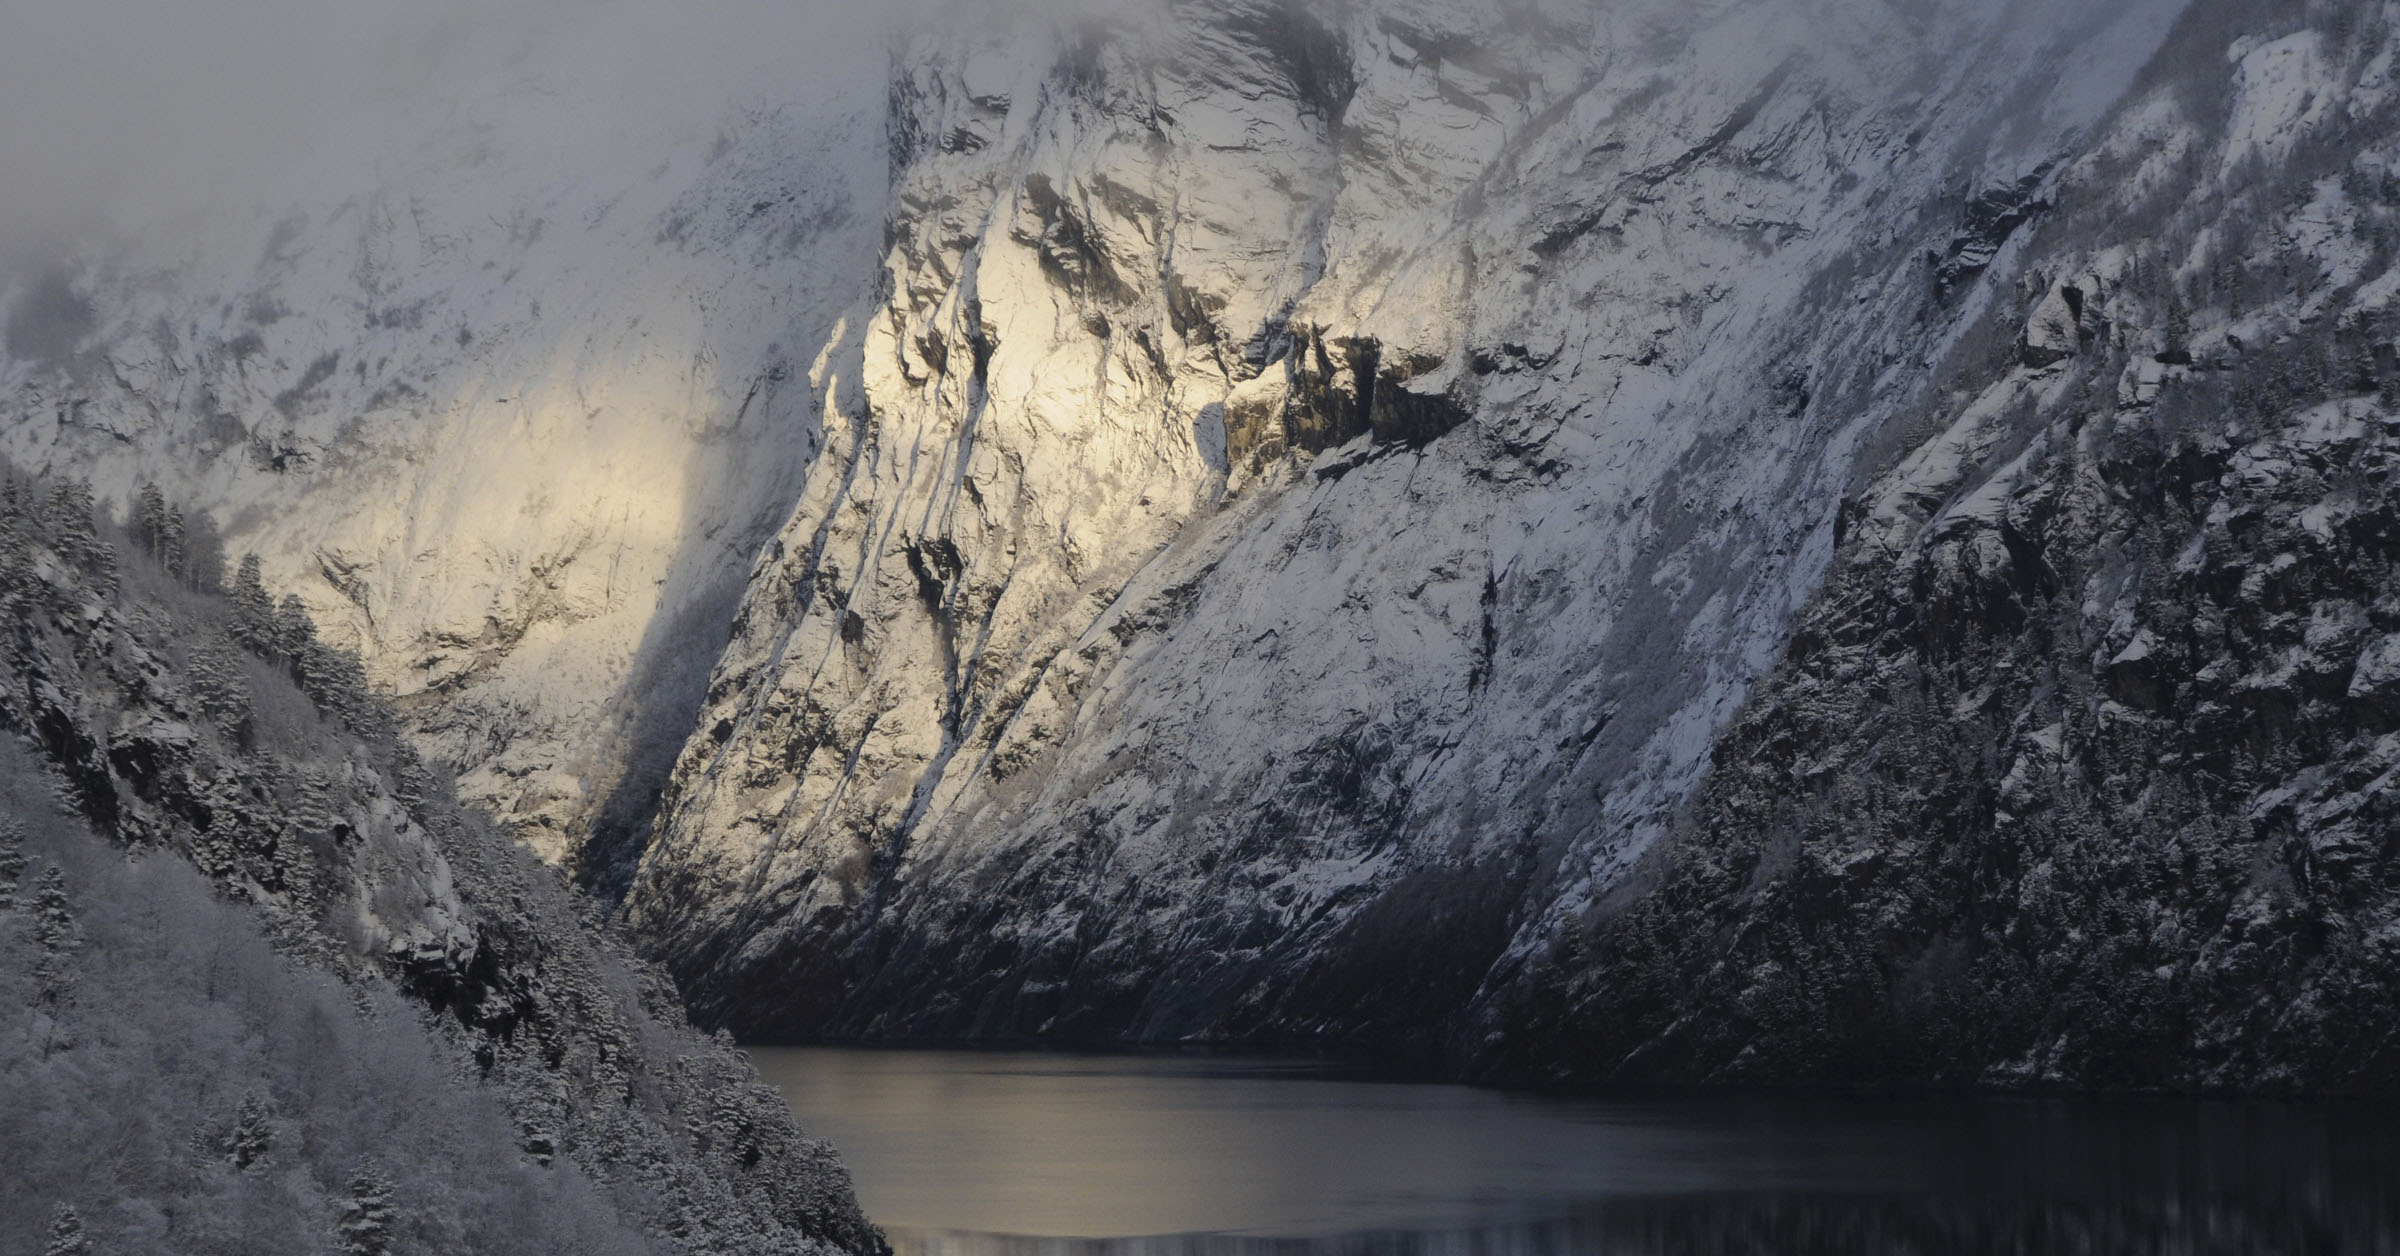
pixel 996 1154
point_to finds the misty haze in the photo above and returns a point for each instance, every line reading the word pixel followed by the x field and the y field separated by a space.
pixel 1140 627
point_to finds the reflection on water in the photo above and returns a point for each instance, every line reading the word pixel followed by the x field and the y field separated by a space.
pixel 1013 1154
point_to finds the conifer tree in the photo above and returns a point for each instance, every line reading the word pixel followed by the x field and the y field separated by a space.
pixel 312 800
pixel 66 1234
pixel 220 687
pixel 285 867
pixel 337 682
pixel 412 782
pixel 69 520
pixel 365 1227
pixel 170 543
pixel 216 850
pixel 100 560
pixel 150 520
pixel 253 1133
pixel 16 559
pixel 12 862
pixel 253 626
pixel 203 553
pixel 295 632
pixel 53 923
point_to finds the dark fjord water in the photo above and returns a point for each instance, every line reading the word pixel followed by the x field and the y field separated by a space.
pixel 1001 1154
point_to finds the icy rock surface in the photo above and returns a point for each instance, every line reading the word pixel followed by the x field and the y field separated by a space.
pixel 1320 478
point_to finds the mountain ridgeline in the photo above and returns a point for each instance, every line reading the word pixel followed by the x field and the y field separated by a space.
pixel 1770 540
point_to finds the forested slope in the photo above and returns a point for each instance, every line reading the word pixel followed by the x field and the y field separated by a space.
pixel 270 989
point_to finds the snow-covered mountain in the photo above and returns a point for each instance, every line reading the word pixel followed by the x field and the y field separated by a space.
pixel 1273 520
pixel 1323 478
pixel 2084 767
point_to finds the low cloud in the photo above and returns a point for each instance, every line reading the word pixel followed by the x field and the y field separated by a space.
pixel 132 112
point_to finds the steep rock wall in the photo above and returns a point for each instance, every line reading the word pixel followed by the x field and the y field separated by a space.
pixel 2081 772
pixel 1322 478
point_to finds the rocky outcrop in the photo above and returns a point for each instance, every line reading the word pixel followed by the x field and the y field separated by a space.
pixel 1990 221
pixel 1319 478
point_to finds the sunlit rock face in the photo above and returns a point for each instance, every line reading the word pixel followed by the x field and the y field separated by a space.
pixel 1318 480
pixel 509 386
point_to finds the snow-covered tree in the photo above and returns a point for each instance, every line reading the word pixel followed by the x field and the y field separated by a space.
pixel 312 805
pixel 170 544
pixel 12 862
pixel 53 921
pixel 253 626
pixel 253 1134
pixel 295 630
pixel 66 1234
pixel 220 686
pixel 365 1227
pixel 16 548
pixel 216 851
pixel 336 681
pixel 68 517
pixel 203 553
pixel 150 520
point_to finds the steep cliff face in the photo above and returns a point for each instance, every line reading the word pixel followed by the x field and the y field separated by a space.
pixel 1320 478
pixel 509 382
pixel 2082 770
